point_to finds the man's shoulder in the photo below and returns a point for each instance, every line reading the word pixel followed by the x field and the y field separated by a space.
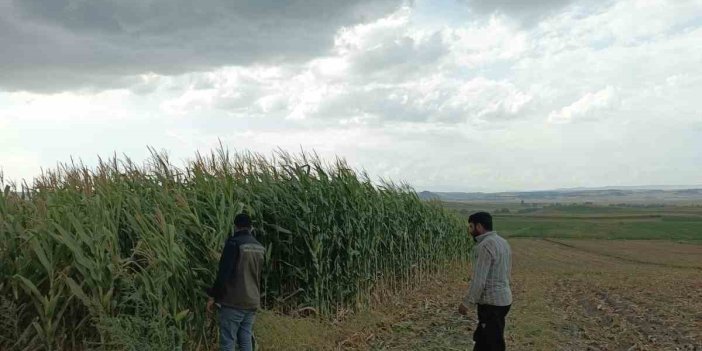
pixel 504 244
pixel 233 240
pixel 249 241
pixel 497 238
pixel 494 240
pixel 243 239
pixel 252 247
pixel 491 238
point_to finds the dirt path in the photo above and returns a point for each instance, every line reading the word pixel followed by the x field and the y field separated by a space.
pixel 602 251
pixel 427 319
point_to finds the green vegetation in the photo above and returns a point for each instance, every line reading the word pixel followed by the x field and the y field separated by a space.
pixel 591 221
pixel 662 228
pixel 117 257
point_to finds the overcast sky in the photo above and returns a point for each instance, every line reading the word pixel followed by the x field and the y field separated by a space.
pixel 448 95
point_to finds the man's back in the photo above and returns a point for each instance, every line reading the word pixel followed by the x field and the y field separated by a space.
pixel 238 283
pixel 244 284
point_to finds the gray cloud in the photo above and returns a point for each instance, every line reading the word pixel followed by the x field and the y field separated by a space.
pixel 51 45
pixel 380 72
pixel 527 12
pixel 446 102
pixel 398 58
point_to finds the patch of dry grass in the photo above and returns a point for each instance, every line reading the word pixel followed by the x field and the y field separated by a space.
pixel 653 252
pixel 645 300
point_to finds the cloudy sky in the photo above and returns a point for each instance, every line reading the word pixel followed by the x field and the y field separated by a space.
pixel 448 95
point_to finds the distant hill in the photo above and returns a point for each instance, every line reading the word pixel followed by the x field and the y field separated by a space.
pixel 428 195
pixel 680 194
pixel 636 187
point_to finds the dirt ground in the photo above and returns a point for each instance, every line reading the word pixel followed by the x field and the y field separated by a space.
pixel 569 295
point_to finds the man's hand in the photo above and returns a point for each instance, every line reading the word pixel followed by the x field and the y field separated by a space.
pixel 210 305
pixel 462 309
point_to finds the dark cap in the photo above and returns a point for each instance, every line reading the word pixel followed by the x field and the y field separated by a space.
pixel 242 220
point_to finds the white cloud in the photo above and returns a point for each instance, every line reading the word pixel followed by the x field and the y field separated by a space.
pixel 590 106
pixel 19 166
pixel 486 43
pixel 190 101
pixel 106 105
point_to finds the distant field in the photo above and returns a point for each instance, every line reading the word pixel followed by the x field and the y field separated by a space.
pixel 678 223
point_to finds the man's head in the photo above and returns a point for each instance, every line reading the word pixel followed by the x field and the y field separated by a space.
pixel 479 223
pixel 242 221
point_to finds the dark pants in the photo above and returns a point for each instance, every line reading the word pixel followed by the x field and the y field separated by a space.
pixel 489 335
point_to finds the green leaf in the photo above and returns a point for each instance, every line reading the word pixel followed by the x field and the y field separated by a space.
pixel 29 287
pixel 181 315
pixel 77 290
pixel 41 255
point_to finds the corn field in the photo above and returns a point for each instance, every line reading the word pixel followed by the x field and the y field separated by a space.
pixel 116 257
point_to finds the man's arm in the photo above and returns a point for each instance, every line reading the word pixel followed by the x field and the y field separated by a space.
pixel 480 271
pixel 229 256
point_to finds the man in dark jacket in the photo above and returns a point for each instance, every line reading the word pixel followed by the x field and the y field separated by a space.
pixel 238 285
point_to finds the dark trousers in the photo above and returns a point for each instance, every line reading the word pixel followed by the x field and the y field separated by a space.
pixel 489 335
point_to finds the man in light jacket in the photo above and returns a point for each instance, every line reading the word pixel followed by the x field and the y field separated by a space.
pixel 490 285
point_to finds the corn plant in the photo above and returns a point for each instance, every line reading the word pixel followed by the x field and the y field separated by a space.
pixel 117 256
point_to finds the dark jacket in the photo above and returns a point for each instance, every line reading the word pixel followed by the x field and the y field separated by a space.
pixel 238 283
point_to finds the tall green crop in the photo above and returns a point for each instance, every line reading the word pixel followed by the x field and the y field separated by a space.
pixel 117 257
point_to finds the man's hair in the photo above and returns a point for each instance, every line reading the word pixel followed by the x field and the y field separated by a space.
pixel 483 218
pixel 242 220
